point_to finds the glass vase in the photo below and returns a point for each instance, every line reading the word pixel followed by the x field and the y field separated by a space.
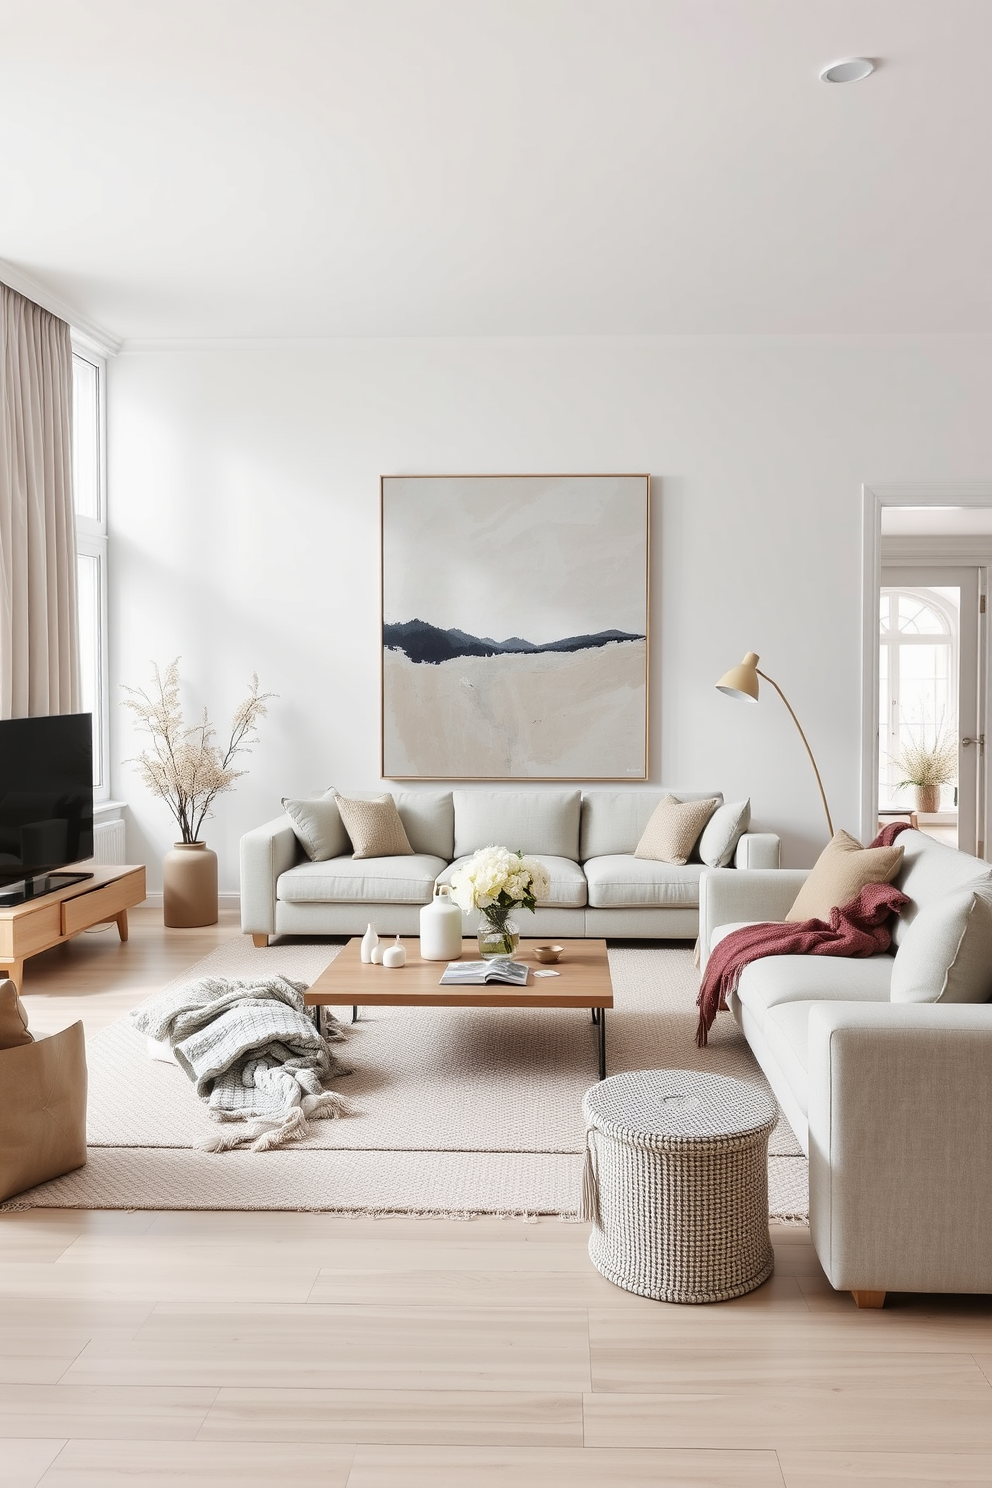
pixel 498 938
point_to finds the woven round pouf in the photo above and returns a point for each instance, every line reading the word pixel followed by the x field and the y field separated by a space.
pixel 676 1184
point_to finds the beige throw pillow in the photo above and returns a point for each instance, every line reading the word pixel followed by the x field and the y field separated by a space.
pixel 13 1018
pixel 674 829
pixel 374 827
pixel 840 873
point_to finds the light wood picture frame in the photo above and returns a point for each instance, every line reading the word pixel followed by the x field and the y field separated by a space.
pixel 515 627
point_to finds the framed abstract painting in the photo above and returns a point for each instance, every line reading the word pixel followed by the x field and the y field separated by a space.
pixel 515 627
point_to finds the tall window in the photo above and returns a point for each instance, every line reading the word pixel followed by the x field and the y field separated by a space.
pixel 89 494
pixel 918 674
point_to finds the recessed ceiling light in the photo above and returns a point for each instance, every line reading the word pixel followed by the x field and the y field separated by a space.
pixel 847 70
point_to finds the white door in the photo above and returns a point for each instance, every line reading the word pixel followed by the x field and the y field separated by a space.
pixel 931 660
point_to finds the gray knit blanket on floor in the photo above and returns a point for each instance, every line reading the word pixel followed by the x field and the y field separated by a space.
pixel 253 1054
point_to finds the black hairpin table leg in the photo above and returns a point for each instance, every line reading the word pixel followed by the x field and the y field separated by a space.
pixel 354 1014
pixel 602 1043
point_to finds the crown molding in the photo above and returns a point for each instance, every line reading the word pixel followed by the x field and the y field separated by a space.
pixel 99 339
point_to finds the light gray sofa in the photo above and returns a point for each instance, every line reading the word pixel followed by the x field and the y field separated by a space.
pixel 586 839
pixel 889 1099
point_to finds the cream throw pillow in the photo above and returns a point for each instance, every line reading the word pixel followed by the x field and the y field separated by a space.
pixel 674 829
pixel 722 833
pixel 840 873
pixel 946 953
pixel 374 827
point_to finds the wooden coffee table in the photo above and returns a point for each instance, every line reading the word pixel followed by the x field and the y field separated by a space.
pixel 583 981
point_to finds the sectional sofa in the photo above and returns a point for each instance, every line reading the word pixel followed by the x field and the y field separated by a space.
pixel 883 1067
pixel 586 839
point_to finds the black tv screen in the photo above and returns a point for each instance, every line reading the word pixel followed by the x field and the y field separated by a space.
pixel 46 794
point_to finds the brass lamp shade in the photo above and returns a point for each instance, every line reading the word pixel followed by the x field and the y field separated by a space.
pixel 742 681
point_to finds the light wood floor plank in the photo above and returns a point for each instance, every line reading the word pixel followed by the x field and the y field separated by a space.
pixel 480 1467
pixel 885 1469
pixel 24 1462
pixel 452 1417
pixel 373 1348
pixel 125 1412
pixel 199 1464
pixel 113 1283
pixel 858 1420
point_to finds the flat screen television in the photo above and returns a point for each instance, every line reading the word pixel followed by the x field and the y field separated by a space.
pixel 46 802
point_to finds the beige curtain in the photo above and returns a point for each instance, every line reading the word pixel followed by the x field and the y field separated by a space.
pixel 39 652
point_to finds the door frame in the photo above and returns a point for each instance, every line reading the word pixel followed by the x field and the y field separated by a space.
pixel 873 499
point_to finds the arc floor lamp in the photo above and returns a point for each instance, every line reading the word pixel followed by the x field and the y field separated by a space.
pixel 742 682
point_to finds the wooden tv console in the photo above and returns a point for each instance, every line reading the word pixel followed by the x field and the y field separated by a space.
pixel 38 924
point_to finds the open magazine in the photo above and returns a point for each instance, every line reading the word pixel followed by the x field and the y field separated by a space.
pixel 475 973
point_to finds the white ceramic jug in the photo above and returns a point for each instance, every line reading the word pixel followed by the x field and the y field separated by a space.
pixel 441 927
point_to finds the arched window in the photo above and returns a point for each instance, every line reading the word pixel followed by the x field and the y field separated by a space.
pixel 918 672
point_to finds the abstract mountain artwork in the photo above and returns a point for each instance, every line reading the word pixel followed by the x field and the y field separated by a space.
pixel 514 627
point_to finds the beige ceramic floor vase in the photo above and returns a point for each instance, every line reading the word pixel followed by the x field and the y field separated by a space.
pixel 189 886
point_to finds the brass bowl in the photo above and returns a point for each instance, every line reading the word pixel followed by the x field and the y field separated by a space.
pixel 548 952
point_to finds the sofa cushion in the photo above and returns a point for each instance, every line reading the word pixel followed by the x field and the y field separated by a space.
pixel 840 873
pixel 402 880
pixel 722 833
pixel 776 979
pixel 621 881
pixel 674 829
pixel 946 955
pixel 318 826
pixel 429 820
pixel 567 891
pixel 786 1033
pixel 613 821
pixel 540 823
pixel 374 827
pixel 930 869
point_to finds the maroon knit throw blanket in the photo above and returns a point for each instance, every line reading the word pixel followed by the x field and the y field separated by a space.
pixel 858 929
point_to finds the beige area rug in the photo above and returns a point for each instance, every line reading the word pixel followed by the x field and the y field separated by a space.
pixel 453 1111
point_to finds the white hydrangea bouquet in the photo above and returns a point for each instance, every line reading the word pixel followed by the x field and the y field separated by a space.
pixel 496 882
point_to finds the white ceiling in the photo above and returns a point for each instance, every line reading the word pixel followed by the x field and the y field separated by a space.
pixel 499 167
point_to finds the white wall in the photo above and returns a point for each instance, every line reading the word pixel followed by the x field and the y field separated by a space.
pixel 244 532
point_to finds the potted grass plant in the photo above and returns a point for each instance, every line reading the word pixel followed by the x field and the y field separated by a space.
pixel 926 765
pixel 188 770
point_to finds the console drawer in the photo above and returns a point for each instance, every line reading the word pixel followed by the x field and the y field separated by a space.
pixel 84 910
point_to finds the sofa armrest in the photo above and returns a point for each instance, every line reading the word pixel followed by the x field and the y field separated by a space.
pixel 900 1145
pixel 265 853
pixel 728 895
pixel 758 850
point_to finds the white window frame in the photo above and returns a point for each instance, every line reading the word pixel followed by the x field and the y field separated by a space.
pixel 91 542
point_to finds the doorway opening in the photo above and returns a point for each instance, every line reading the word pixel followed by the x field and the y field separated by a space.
pixel 927 665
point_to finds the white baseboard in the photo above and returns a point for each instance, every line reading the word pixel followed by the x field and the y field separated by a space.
pixel 226 901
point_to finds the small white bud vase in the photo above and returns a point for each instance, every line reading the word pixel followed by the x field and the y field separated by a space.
pixel 377 953
pixel 441 927
pixel 369 941
pixel 395 954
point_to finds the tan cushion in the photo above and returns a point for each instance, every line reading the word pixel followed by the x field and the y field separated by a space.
pixel 674 829
pixel 43 1110
pixel 374 827
pixel 840 873
pixel 13 1018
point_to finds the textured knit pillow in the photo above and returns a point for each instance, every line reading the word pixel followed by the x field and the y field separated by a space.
pixel 840 873
pixel 13 1018
pixel 723 832
pixel 374 827
pixel 946 953
pixel 673 829
pixel 318 825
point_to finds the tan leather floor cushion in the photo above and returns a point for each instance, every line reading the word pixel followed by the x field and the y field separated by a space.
pixel 42 1110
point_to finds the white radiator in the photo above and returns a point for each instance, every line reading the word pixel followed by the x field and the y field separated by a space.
pixel 108 842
